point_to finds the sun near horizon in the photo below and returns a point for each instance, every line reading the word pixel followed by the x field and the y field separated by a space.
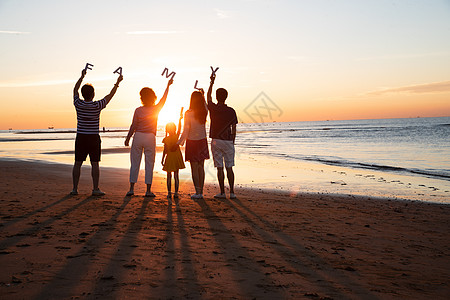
pixel 311 61
pixel 60 113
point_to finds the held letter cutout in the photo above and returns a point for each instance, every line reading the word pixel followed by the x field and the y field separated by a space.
pixel 166 71
pixel 88 66
pixel 214 71
pixel 195 86
pixel 118 71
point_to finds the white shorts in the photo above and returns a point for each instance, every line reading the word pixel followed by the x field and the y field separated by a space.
pixel 222 150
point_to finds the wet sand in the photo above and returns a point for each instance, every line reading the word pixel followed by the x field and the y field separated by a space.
pixel 263 245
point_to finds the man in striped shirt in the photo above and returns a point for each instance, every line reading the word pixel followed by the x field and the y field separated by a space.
pixel 88 140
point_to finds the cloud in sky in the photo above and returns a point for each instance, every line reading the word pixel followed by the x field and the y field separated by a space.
pixel 13 32
pixel 297 58
pixel 16 84
pixel 144 32
pixel 46 82
pixel 222 14
pixel 404 56
pixel 433 87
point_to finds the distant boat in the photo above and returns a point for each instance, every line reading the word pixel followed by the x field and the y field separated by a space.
pixel 51 127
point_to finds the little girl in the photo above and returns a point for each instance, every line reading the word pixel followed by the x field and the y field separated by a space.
pixel 172 159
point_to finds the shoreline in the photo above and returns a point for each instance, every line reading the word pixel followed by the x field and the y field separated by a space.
pixel 248 187
pixel 307 177
pixel 348 158
pixel 263 245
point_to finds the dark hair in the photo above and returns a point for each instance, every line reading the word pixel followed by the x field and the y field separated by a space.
pixel 148 96
pixel 221 95
pixel 88 92
pixel 170 127
pixel 198 107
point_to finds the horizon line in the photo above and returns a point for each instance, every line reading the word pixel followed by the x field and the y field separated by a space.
pixel 322 120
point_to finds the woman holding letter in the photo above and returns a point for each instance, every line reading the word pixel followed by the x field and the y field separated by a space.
pixel 144 128
pixel 194 134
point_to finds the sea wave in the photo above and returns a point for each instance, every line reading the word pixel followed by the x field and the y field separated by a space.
pixel 437 174
pixel 47 131
pixel 20 139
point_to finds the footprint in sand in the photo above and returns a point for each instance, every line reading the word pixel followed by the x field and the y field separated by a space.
pixel 338 182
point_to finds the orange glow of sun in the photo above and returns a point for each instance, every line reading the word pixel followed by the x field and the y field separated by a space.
pixel 169 113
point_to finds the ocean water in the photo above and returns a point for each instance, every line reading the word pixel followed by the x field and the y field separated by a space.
pixel 394 158
pixel 409 146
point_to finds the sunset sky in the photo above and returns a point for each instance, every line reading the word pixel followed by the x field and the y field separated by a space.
pixel 279 60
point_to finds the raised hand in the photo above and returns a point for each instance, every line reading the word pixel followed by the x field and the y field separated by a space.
pixel 119 79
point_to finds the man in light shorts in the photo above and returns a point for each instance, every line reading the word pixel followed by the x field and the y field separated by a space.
pixel 223 134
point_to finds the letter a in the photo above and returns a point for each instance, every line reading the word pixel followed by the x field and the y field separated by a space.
pixel 118 71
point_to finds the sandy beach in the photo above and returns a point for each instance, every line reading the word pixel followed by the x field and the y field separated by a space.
pixel 263 245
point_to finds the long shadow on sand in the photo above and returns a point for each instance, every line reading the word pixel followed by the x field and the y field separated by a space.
pixel 119 262
pixel 169 271
pixel 236 256
pixel 298 256
pixel 16 238
pixel 188 281
pixel 32 213
pixel 78 264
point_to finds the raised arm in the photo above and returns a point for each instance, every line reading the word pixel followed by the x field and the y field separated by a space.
pixel 78 84
pixel 164 97
pixel 113 90
pixel 204 101
pixel 208 96
pixel 186 128
pixel 179 123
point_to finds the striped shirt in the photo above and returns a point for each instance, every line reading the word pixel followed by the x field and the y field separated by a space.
pixel 88 114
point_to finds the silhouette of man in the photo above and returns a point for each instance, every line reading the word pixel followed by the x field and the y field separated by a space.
pixel 223 134
pixel 88 140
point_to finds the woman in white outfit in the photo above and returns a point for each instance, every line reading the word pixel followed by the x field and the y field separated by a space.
pixel 144 128
pixel 194 133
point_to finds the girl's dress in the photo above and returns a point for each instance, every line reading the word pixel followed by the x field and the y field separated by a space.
pixel 174 158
